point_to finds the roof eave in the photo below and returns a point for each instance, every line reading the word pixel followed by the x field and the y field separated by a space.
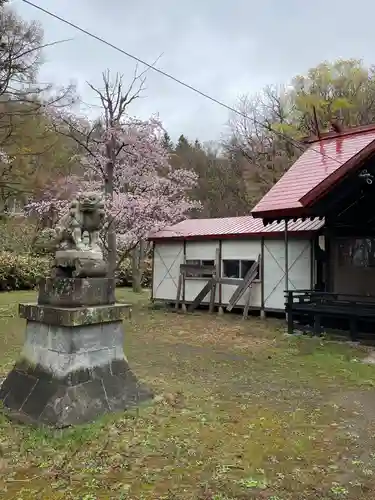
pixel 279 213
pixel 260 234
pixel 355 162
pixel 338 135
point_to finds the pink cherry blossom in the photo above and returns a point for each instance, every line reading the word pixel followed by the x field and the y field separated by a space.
pixel 148 194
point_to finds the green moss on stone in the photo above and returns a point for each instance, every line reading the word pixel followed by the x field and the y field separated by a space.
pixel 25 365
pixel 63 316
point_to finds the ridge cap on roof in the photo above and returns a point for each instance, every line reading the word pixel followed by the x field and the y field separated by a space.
pixel 360 129
pixel 215 218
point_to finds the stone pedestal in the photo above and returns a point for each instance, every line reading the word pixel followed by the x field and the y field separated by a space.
pixel 72 367
pixel 75 292
pixel 79 263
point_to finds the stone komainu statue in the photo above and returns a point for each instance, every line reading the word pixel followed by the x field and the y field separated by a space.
pixel 78 251
pixel 85 218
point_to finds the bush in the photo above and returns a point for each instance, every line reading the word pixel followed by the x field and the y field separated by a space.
pixel 26 252
pixel 124 273
pixel 43 243
pixel 21 271
pixel 17 234
pixel 23 236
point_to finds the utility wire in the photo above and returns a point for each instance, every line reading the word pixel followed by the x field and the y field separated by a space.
pixel 298 144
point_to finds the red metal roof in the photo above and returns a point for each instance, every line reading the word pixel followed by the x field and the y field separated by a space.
pixel 316 171
pixel 232 226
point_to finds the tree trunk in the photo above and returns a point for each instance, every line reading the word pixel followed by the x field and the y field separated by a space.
pixel 138 255
pixel 111 234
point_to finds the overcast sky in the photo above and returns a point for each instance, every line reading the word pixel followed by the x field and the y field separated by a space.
pixel 223 47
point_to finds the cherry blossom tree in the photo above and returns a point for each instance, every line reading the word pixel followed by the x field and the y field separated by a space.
pixel 124 158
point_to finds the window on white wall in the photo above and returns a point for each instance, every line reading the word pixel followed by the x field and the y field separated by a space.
pixel 236 268
pixel 200 263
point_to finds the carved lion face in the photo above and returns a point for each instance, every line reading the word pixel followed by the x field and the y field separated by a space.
pixel 89 202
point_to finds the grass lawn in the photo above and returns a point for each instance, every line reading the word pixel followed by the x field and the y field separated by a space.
pixel 241 412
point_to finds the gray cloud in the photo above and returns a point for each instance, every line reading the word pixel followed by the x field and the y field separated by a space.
pixel 223 47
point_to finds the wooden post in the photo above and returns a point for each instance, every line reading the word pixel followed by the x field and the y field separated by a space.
pixel 179 287
pixel 261 275
pixel 312 264
pixel 286 260
pixel 183 306
pixel 218 272
pixel 212 298
pixel 286 256
pixel 153 271
pixel 330 256
pixel 215 275
pixel 289 312
pixel 247 305
pixel 218 275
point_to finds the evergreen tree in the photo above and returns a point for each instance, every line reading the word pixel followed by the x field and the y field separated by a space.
pixel 182 143
pixel 167 142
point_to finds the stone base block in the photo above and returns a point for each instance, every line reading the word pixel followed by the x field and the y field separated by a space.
pixel 79 264
pixel 33 395
pixel 76 292
pixel 73 316
pixel 69 375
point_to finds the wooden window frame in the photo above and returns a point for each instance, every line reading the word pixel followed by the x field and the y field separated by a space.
pixel 200 262
pixel 242 275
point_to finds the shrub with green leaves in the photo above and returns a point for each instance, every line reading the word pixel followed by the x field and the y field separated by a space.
pixel 43 243
pixel 17 234
pixel 21 271
pixel 124 273
pixel 22 235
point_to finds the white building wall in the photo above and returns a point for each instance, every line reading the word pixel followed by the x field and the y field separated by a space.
pixel 203 250
pixel 299 264
pixel 169 255
pixel 167 259
pixel 199 250
pixel 241 250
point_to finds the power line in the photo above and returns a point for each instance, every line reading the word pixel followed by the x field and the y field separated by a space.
pixel 300 145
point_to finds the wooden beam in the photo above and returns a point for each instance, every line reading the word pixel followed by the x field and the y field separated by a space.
pixel 183 279
pixel 212 297
pixel 230 281
pixel 247 306
pixel 220 253
pixel 286 256
pixel 179 289
pixel 215 285
pixel 248 279
pixel 201 295
pixel 261 275
pixel 197 269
